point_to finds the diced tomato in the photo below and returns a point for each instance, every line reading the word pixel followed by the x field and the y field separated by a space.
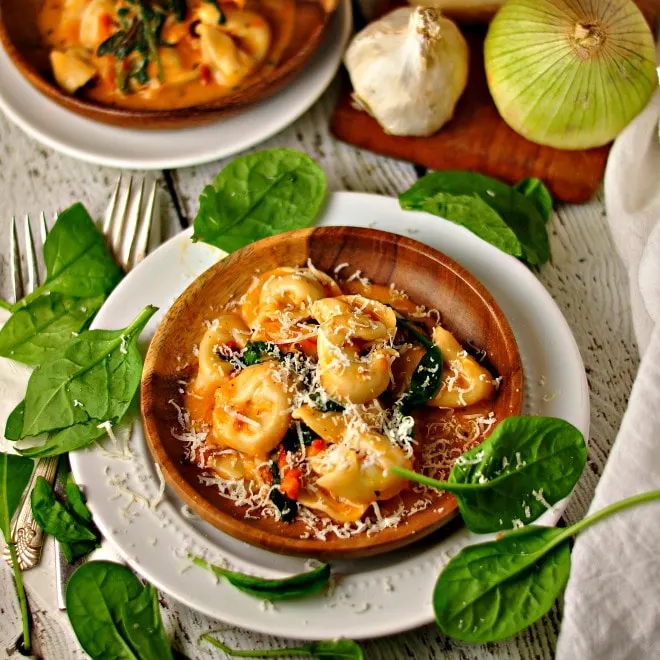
pixel 105 25
pixel 308 346
pixel 205 74
pixel 290 485
pixel 281 457
pixel 316 447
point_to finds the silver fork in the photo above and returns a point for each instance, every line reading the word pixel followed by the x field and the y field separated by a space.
pixel 128 227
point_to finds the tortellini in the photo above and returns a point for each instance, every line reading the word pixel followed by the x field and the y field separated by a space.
pixel 71 70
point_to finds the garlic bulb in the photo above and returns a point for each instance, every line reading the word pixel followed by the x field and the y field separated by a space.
pixel 463 11
pixel 408 70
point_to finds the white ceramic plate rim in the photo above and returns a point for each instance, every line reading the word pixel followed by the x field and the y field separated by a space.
pixel 409 605
pixel 113 146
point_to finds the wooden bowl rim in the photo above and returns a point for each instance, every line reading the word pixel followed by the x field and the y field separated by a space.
pixel 258 90
pixel 358 545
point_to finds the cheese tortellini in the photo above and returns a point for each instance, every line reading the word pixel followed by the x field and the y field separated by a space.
pixel 300 389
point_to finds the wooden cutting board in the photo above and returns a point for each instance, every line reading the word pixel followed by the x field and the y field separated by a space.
pixel 477 138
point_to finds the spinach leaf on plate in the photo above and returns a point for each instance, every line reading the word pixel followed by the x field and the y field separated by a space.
pixel 524 466
pixel 260 195
pixel 538 194
pixel 94 381
pixel 142 626
pixel 15 473
pixel 447 194
pixel 78 260
pixel 296 586
pixel 76 499
pixel 339 649
pixel 14 423
pixel 65 440
pixel 54 518
pixel 42 328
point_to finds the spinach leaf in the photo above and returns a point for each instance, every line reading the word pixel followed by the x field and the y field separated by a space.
pixel 491 591
pixel 39 330
pixel 287 507
pixel 297 586
pixel 77 506
pixel 259 195
pixel 297 433
pixel 95 596
pixel 257 351
pixel 15 473
pixel 523 573
pixel 142 626
pixel 524 466
pixel 96 379
pixel 538 194
pixel 5 304
pixel 427 377
pixel 65 440
pixel 78 261
pixel 76 499
pixel 447 194
pixel 14 424
pixel 340 649
pixel 54 518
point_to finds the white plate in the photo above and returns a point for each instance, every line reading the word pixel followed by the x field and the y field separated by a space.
pixel 103 144
pixel 378 596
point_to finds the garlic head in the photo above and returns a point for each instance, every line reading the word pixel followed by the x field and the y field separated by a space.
pixel 409 69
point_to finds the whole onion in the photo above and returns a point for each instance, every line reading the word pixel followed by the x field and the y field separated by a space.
pixel 570 74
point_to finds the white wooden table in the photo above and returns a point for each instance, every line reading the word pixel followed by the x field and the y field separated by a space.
pixel 585 278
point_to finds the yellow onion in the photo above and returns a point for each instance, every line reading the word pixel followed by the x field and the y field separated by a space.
pixel 570 74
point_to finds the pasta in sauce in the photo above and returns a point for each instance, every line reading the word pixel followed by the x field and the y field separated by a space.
pixel 298 391
pixel 163 54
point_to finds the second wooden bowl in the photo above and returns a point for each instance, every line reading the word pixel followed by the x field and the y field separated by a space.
pixel 427 276
pixel 20 37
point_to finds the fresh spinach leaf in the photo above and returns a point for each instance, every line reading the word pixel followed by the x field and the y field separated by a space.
pixel 427 377
pixel 14 423
pixel 41 329
pixel 257 351
pixel 260 195
pixel 74 551
pixel 491 591
pixel 78 261
pixel 15 473
pixel 142 626
pixel 96 379
pixel 76 499
pixel 65 440
pixel 95 596
pixel 297 586
pixel 446 194
pixel 526 465
pixel 340 649
pixel 538 194
pixel 54 518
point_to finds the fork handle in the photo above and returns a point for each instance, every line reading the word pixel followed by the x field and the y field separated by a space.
pixel 27 535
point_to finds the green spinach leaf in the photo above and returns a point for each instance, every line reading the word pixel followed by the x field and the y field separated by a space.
pixel 96 379
pixel 142 626
pixel 95 596
pixel 296 586
pixel 257 351
pixel 54 518
pixel 76 499
pixel 65 440
pixel 538 194
pixel 526 465
pixel 260 195
pixel 78 261
pixel 14 423
pixel 15 473
pixel 41 329
pixel 340 649
pixel 491 591
pixel 446 194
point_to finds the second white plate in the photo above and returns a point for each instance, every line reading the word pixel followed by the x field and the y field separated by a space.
pixel 99 143
pixel 374 597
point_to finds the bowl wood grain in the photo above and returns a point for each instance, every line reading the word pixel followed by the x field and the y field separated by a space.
pixel 20 37
pixel 427 276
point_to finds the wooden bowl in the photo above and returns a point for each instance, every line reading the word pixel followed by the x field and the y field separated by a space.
pixel 429 277
pixel 19 35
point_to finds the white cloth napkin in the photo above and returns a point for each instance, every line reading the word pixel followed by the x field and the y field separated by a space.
pixel 612 602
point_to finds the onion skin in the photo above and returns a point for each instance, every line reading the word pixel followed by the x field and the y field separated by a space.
pixel 569 77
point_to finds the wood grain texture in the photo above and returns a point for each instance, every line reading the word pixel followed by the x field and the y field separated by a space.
pixel 19 35
pixel 585 277
pixel 427 276
pixel 477 138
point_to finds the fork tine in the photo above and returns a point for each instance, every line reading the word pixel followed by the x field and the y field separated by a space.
pixel 145 228
pixel 43 227
pixel 30 258
pixel 16 276
pixel 132 223
pixel 110 211
pixel 119 222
